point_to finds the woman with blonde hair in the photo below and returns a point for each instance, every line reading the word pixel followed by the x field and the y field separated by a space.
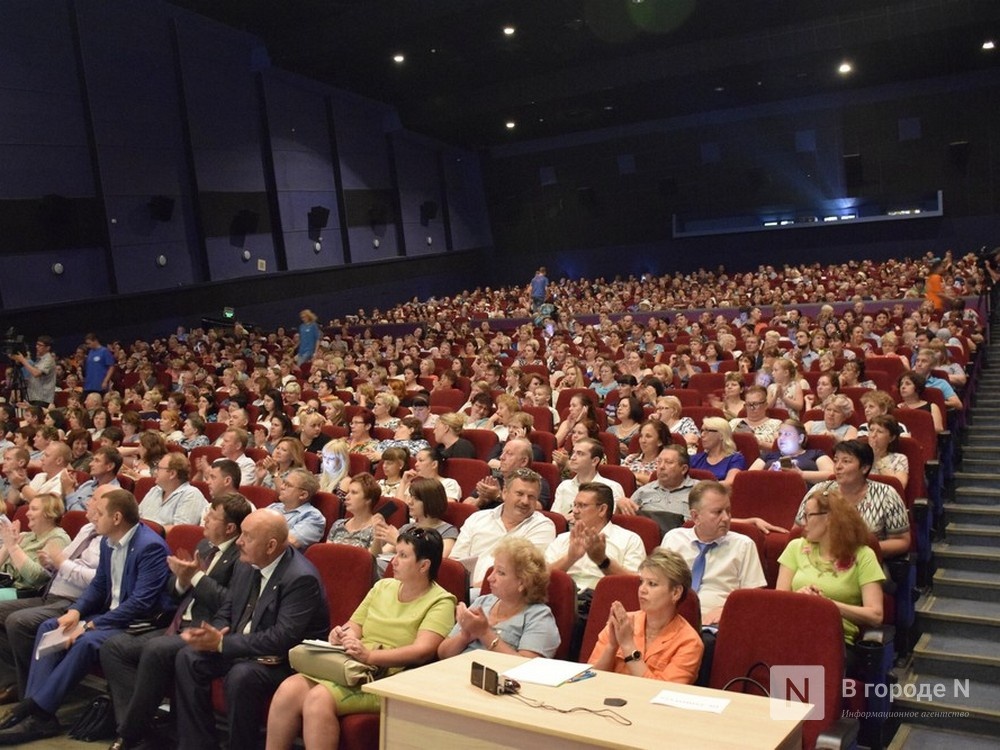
pixel 448 436
pixel 21 552
pixel 288 454
pixel 670 412
pixel 786 392
pixel 513 618
pixel 719 454
pixel 383 406
pixel 335 467
pixel 656 642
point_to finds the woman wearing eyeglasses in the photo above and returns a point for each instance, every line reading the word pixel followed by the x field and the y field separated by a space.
pixel 719 455
pixel 359 437
pixel 400 624
pixel 832 559
pixel 655 642
pixel 764 428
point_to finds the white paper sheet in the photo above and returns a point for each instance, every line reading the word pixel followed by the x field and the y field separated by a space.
pixel 690 702
pixel 551 672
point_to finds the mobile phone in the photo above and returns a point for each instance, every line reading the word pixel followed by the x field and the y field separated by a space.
pixel 786 462
pixel 388 509
pixel 485 678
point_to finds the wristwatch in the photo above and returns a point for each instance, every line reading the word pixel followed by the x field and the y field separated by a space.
pixel 605 563
pixel 634 656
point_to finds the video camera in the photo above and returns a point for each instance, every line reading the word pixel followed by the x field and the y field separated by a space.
pixel 12 343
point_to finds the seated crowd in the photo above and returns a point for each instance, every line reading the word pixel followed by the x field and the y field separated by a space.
pixel 166 515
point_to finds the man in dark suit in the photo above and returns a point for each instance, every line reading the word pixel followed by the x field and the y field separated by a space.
pixel 128 588
pixel 275 600
pixel 140 668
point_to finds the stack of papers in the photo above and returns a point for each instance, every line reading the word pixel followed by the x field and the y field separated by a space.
pixel 551 672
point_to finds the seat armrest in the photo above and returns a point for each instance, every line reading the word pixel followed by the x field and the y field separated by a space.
pixel 841 735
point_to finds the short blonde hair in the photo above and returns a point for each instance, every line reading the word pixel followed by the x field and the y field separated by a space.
pixel 52 506
pixel 671 566
pixel 529 567
pixel 451 420
pixel 721 426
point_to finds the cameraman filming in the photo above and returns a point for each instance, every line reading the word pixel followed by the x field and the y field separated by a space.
pixel 40 373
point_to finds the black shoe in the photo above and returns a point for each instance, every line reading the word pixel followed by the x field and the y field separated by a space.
pixel 8 695
pixel 32 728
pixel 15 716
pixel 121 743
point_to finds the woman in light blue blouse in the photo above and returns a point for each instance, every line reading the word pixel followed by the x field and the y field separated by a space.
pixel 513 618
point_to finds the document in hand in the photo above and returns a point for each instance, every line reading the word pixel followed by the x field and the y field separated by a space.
pixel 541 671
pixel 57 640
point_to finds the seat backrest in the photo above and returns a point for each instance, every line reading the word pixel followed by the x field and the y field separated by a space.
pixel 331 506
pixel 184 536
pixel 647 529
pixel 763 627
pixel 563 399
pixel 746 443
pixel 466 471
pixel 619 474
pixel 921 426
pixel 558 519
pixel 610 444
pixel 686 397
pixel 358 463
pixel 456 513
pixel 261 497
pixel 774 496
pixel 450 398
pixel 72 521
pixel 484 441
pixel 706 382
pixel 698 413
pixel 541 415
pixel 544 440
pixel 347 574
pixel 208 452
pixel 142 486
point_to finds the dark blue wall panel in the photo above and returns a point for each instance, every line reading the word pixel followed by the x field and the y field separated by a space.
pixel 419 181
pixel 28 280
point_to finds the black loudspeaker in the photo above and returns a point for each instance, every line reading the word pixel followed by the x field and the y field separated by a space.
pixel 244 223
pixel 667 187
pixel 428 212
pixel 958 152
pixel 55 210
pixel 319 217
pixel 161 208
pixel 377 215
pixel 853 175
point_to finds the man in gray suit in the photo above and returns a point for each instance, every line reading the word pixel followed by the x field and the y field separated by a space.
pixel 140 667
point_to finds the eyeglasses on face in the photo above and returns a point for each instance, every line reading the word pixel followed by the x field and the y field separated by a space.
pixel 755 404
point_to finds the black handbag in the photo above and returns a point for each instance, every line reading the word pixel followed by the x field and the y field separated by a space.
pixel 97 722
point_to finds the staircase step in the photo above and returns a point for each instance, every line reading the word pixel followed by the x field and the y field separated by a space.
pixel 962 618
pixel 978 712
pixel 973 534
pixel 967 556
pixel 979 465
pixel 981 451
pixel 973 513
pixel 974 474
pixel 978 494
pixel 967 584
pixel 917 737
pixel 951 656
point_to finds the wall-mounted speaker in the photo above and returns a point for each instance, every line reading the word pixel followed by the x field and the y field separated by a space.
pixel 428 212
pixel 853 175
pixel 161 208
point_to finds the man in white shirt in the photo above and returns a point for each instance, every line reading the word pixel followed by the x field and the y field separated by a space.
pixel 173 500
pixel 729 560
pixel 595 547
pixel 55 459
pixel 587 455
pixel 234 445
pixel 484 529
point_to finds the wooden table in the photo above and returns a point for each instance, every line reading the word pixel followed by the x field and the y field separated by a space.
pixel 436 707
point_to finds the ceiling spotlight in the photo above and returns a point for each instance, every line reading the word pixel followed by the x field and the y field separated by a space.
pixel 719 89
pixel 845 68
pixel 398 57
pixel 509 31
pixel 989 44
pixel 511 124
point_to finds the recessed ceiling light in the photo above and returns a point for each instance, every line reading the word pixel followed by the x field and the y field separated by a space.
pixel 511 124
pixel 720 88
pixel 845 68
pixel 509 31
pixel 608 107
pixel 989 44
pixel 398 57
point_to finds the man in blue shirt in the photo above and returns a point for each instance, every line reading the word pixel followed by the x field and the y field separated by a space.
pixel 538 289
pixel 99 368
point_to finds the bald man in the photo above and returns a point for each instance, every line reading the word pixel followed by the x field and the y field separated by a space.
pixel 275 601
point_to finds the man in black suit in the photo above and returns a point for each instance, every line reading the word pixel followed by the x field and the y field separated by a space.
pixel 140 668
pixel 275 601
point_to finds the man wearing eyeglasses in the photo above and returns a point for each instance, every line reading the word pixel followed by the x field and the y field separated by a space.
pixel 305 522
pixel 173 500
pixel 595 547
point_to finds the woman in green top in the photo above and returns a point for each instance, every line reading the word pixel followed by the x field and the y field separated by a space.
pixel 400 624
pixel 832 559
pixel 19 551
